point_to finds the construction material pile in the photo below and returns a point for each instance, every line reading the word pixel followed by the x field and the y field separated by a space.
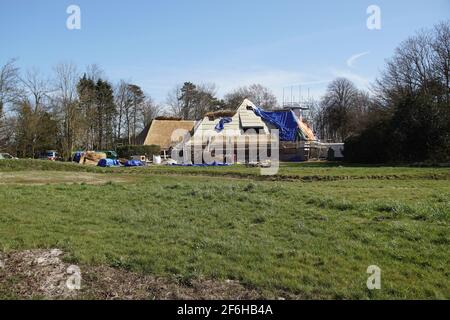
pixel 90 157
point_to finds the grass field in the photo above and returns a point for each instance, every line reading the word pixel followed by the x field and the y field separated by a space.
pixel 310 232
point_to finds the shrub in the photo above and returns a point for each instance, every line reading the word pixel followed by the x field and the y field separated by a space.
pixel 133 150
pixel 415 130
pixel 373 145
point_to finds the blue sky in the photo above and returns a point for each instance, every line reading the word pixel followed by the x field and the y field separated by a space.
pixel 158 44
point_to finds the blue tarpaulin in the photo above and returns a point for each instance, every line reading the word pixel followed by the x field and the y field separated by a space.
pixel 214 164
pixel 133 163
pixel 77 156
pixel 285 121
pixel 220 126
pixel 108 163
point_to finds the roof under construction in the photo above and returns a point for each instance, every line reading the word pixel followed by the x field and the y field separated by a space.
pixel 242 119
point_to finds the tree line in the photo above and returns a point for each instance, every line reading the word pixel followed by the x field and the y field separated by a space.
pixel 68 112
pixel 191 101
pixel 84 111
pixel 403 117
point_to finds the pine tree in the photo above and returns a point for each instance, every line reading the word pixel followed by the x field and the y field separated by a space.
pixel 106 111
pixel 87 105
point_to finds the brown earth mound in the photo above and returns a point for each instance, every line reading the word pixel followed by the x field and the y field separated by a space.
pixel 43 274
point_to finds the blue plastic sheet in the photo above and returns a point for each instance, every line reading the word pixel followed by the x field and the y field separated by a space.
pixel 134 163
pixel 285 121
pixel 108 163
pixel 214 164
pixel 221 125
pixel 77 156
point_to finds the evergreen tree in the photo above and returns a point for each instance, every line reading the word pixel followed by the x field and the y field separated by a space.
pixel 106 111
pixel 86 90
pixel 136 98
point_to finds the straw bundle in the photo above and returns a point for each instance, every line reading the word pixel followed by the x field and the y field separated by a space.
pixel 92 157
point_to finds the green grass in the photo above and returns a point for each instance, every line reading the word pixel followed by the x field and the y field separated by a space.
pixel 312 240
pixel 288 171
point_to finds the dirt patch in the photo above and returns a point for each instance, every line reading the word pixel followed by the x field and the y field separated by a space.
pixel 52 177
pixel 109 283
pixel 43 274
pixel 35 273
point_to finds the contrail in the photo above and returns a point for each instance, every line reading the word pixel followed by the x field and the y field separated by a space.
pixel 354 57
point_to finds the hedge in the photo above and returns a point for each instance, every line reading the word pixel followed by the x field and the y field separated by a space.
pixel 136 150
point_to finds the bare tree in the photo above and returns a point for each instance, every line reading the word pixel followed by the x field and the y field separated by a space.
pixel 258 94
pixel 420 65
pixel 95 72
pixel 10 90
pixel 174 102
pixel 312 112
pixel 410 120
pixel 123 104
pixel 37 88
pixel 441 59
pixel 150 110
pixel 66 79
pixel 8 134
pixel 342 109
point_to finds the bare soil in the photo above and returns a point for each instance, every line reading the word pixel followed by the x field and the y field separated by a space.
pixel 43 274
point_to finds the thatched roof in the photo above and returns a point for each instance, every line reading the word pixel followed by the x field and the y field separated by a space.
pixel 168 118
pixel 160 132
pixel 220 114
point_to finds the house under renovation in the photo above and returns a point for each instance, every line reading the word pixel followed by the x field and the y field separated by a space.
pixel 247 123
pixel 232 123
pixel 255 125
